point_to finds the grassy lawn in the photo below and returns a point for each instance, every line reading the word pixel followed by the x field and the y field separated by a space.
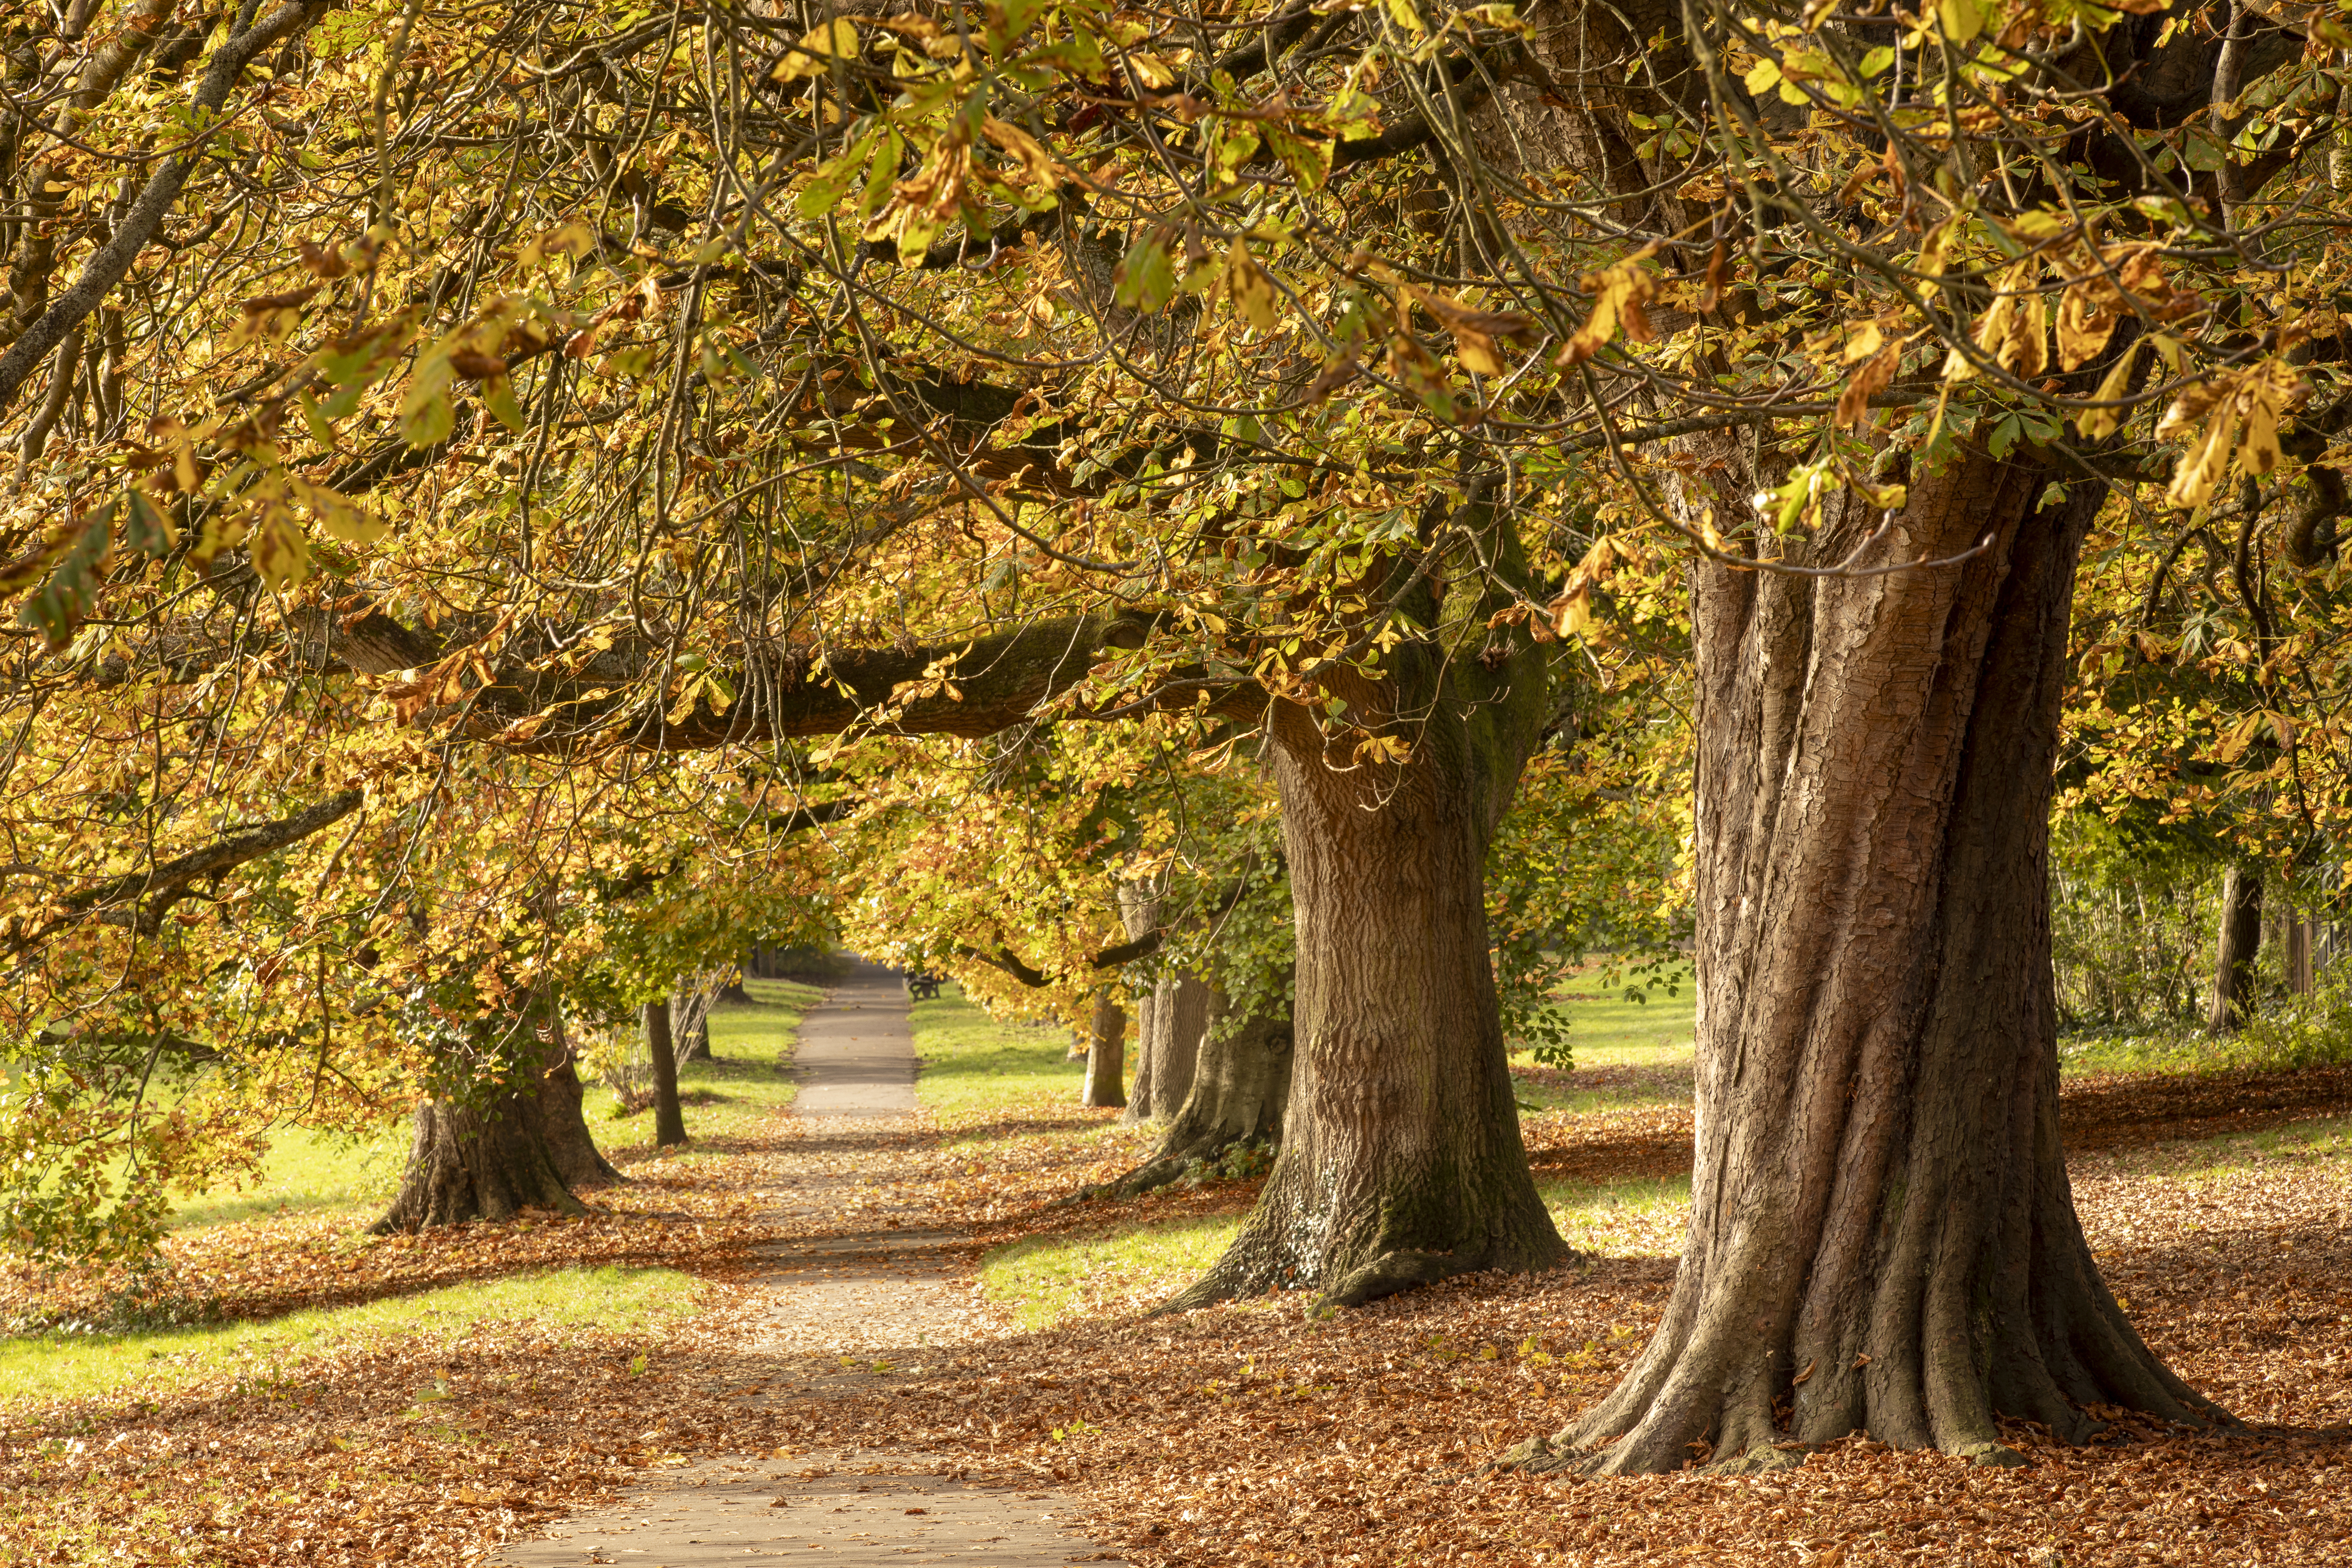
pixel 76 1366
pixel 1048 1279
pixel 751 1079
pixel 973 1065
pixel 748 1078
pixel 1627 1050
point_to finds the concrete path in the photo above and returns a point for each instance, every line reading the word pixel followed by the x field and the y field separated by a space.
pixel 855 1056
pixel 866 1285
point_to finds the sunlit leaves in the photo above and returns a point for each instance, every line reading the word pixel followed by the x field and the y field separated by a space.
pixel 817 50
pixel 1619 295
pixel 2233 417
pixel 1146 276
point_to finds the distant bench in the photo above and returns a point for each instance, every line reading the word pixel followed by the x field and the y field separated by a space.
pixel 923 988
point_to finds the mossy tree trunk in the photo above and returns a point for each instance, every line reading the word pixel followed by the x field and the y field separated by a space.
pixel 1882 1234
pixel 1239 1085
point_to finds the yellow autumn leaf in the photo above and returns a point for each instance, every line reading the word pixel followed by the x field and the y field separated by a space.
pixel 1036 163
pixel 1252 294
pixel 2207 461
pixel 1618 295
pixel 2094 423
pixel 814 54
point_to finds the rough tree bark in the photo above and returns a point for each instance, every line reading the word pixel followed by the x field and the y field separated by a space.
pixel 1139 911
pixel 1401 1161
pixel 1148 1028
pixel 1240 1083
pixel 1882 1235
pixel 527 1147
pixel 565 1125
pixel 1183 1019
pixel 1172 1018
pixel 2239 941
pixel 1106 1054
pixel 669 1117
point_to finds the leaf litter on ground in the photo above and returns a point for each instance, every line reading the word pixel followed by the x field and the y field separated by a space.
pixel 1265 1432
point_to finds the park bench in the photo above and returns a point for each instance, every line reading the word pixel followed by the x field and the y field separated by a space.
pixel 923 988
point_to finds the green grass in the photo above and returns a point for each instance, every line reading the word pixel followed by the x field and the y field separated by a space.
pixel 1607 1030
pixel 82 1366
pixel 1048 1279
pixel 750 1080
pixel 1641 1218
pixel 974 1064
pixel 305 1171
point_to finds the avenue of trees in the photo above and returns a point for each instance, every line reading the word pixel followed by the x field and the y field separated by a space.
pixel 515 503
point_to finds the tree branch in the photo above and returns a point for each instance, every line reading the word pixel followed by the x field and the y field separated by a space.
pixel 108 264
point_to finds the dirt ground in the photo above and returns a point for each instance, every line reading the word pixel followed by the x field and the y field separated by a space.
pixel 1265 1433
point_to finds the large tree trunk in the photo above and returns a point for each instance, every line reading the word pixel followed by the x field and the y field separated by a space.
pixel 1882 1233
pixel 1401 1161
pixel 669 1117
pixel 2241 939
pixel 524 1149
pixel 1106 1083
pixel 529 1147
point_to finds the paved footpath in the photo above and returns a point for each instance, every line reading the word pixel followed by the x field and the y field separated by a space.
pixel 868 1285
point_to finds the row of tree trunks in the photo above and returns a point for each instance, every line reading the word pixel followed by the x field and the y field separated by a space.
pixel 1172 1018
pixel 1240 1086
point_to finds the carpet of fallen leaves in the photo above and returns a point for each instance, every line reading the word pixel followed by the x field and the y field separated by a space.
pixel 1261 1434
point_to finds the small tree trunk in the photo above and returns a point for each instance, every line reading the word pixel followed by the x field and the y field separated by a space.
pixel 1106 1054
pixel 670 1118
pixel 1240 1083
pixel 2298 953
pixel 2241 939
pixel 1882 1235
pixel 1150 1009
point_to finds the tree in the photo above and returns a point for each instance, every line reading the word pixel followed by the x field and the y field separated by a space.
pixel 2240 938
pixel 1106 1083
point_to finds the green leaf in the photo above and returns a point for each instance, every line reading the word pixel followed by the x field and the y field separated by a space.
pixel 881 173
pixel 498 397
pixel 1962 19
pixel 144 525
pixel 61 603
pixel 836 175
pixel 426 420
pixel 1146 278
pixel 1307 159
pixel 316 422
